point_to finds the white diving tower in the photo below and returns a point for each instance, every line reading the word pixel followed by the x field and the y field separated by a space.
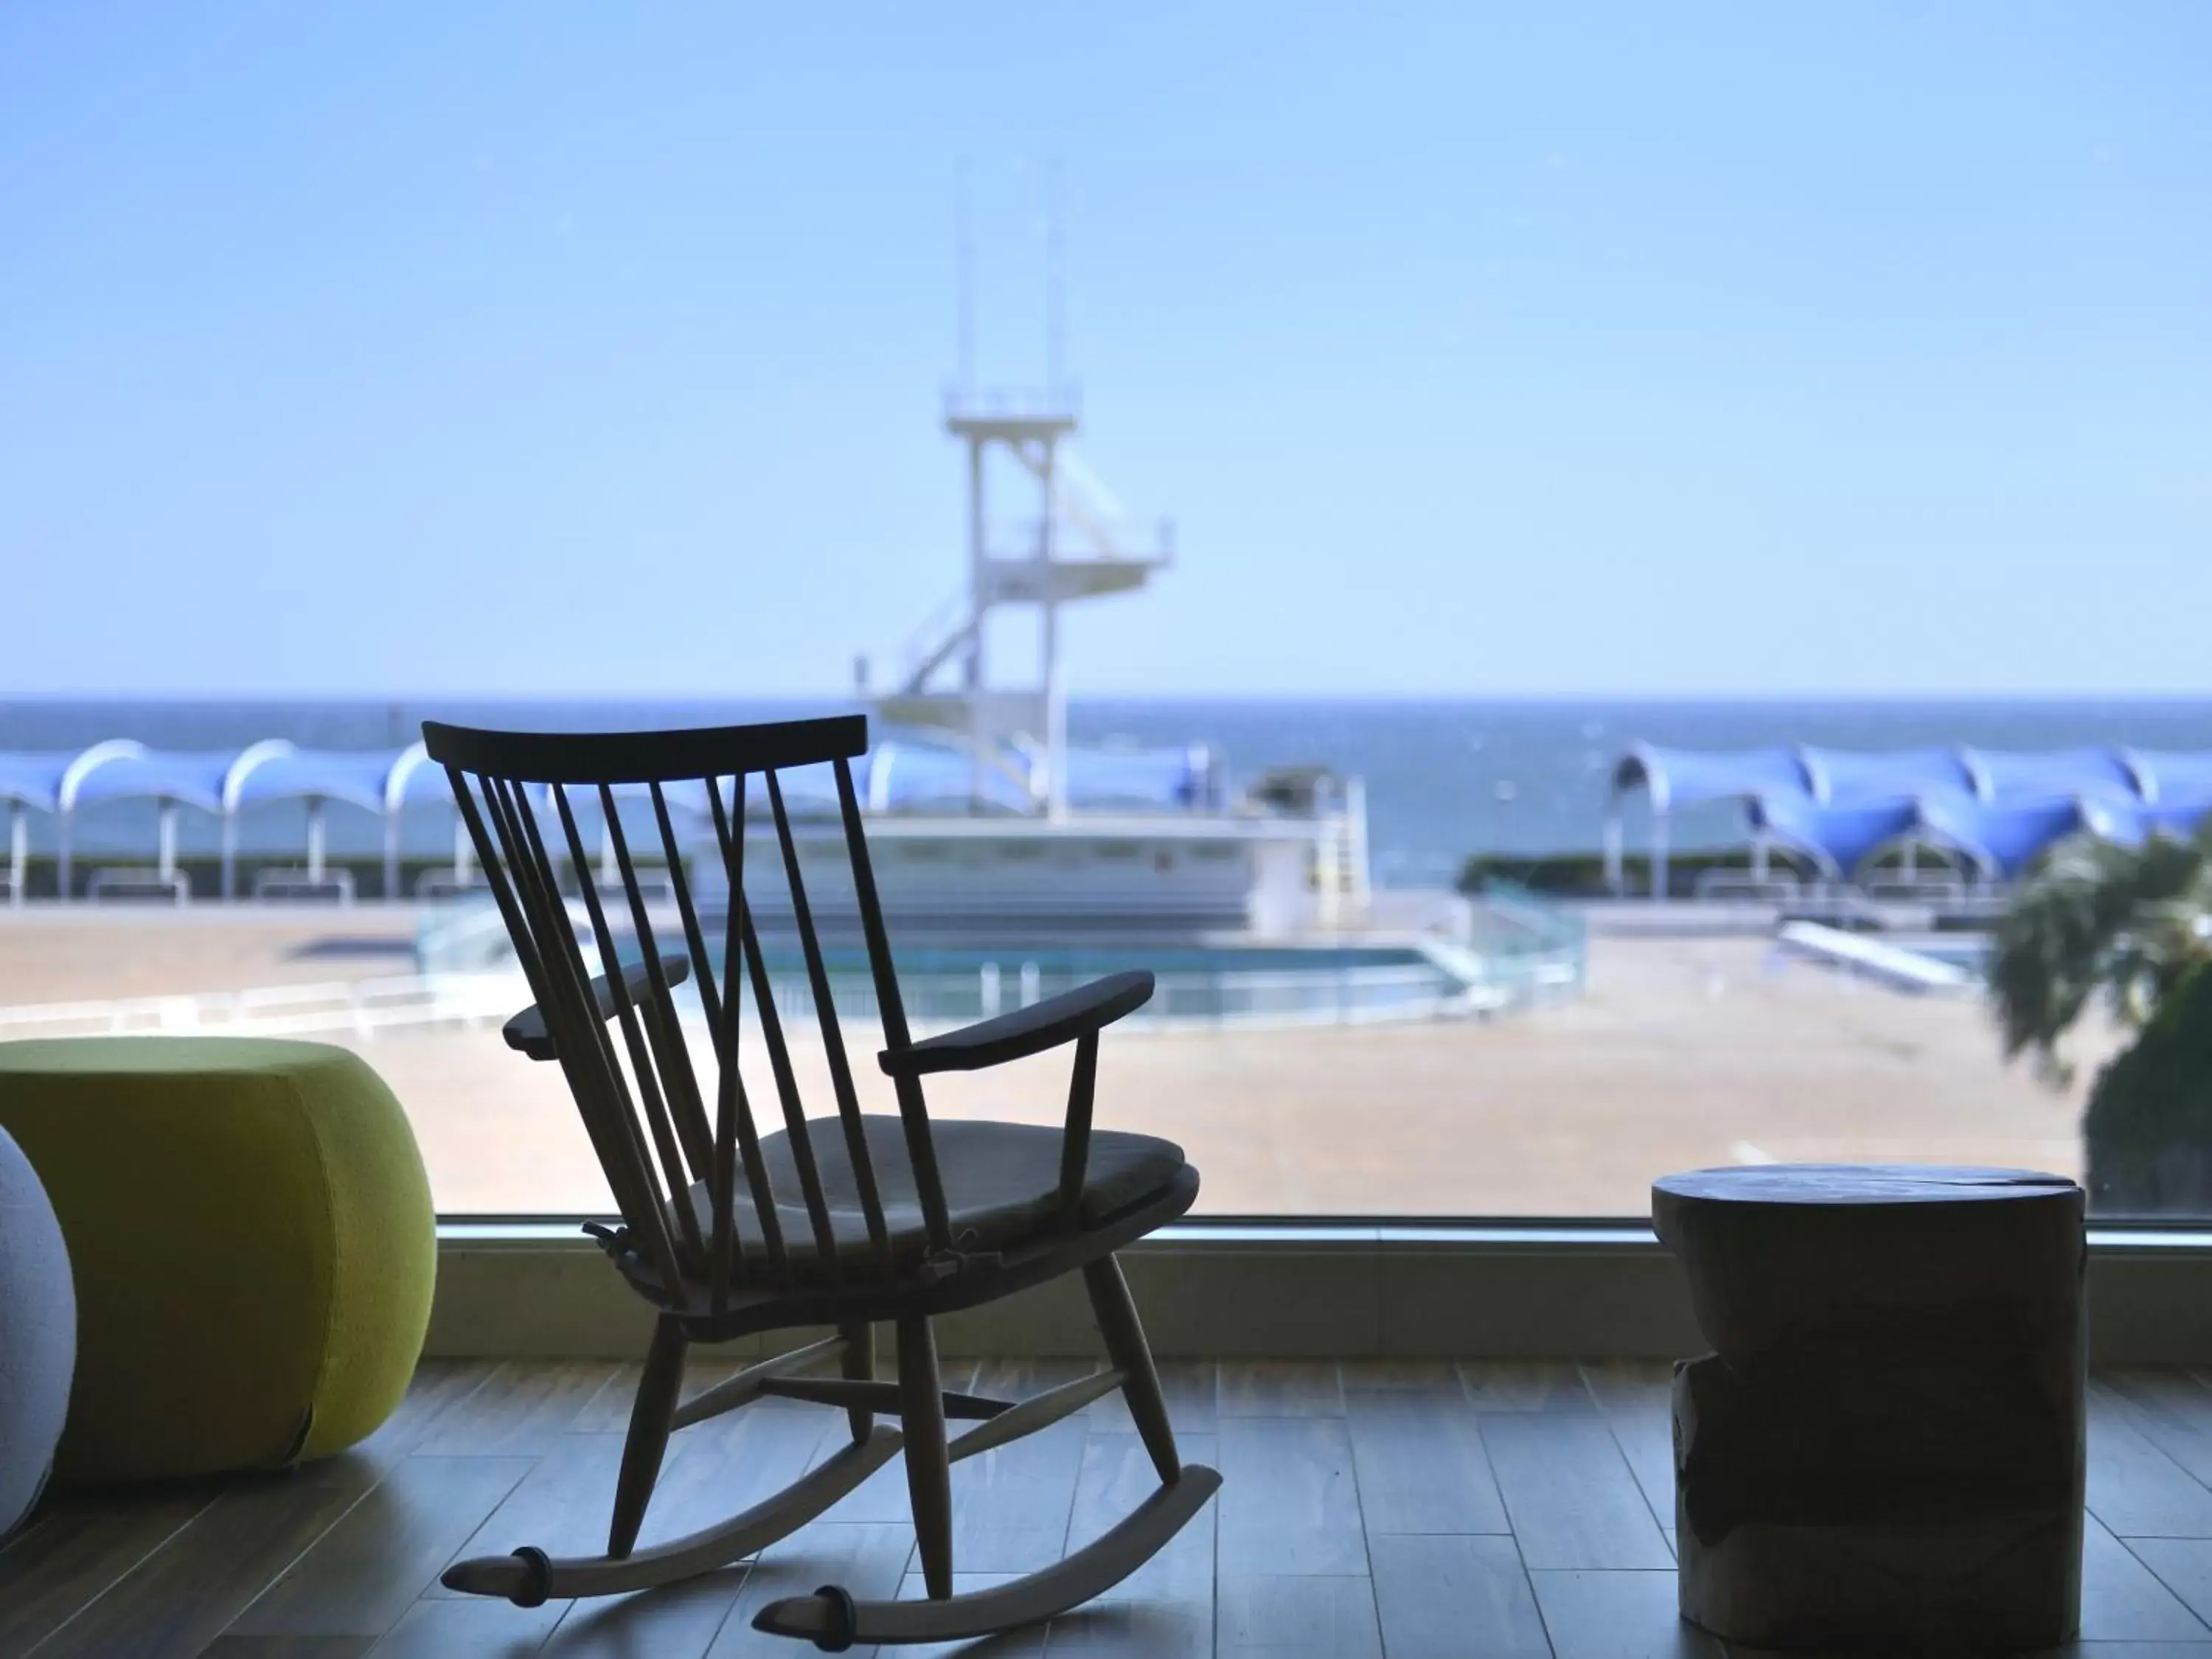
pixel 1074 548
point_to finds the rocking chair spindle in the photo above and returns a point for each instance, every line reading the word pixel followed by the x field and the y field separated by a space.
pixel 846 1221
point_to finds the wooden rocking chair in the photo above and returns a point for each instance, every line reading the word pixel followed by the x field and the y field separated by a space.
pixel 841 1222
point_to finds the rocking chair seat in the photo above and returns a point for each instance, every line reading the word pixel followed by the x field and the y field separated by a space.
pixel 1002 1187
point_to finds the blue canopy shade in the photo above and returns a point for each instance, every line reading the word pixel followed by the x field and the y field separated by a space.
pixel 374 780
pixel 1851 774
pixel 2132 825
pixel 911 774
pixel 1837 838
pixel 906 775
pixel 2005 836
pixel 2171 774
pixel 1150 779
pixel 190 779
pixel 35 779
pixel 1676 777
pixel 2008 774
pixel 2000 808
pixel 1682 777
pixel 217 781
pixel 901 775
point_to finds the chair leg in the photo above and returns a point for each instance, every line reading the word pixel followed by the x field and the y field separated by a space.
pixel 649 1420
pixel 859 1363
pixel 928 1471
pixel 1116 1315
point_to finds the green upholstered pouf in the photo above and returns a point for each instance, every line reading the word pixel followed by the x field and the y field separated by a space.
pixel 249 1230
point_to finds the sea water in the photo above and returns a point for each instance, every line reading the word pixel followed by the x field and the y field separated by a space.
pixel 1446 779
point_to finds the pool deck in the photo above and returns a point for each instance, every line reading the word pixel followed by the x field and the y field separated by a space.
pixel 1693 1044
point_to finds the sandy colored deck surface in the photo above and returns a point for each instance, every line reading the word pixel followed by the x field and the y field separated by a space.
pixel 1683 1052
pixel 86 954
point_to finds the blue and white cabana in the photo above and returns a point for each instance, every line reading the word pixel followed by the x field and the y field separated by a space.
pixel 1998 808
pixel 1855 775
pixel 29 783
pixel 2003 838
pixel 1142 779
pixel 1839 839
pixel 2171 775
pixel 377 781
pixel 2092 773
pixel 2133 823
pixel 219 783
pixel 124 770
pixel 1686 777
pixel 901 775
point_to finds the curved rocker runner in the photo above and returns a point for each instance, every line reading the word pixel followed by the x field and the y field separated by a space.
pixel 845 1221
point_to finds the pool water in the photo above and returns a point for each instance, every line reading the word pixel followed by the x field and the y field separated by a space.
pixel 1089 962
pixel 1287 984
pixel 1521 957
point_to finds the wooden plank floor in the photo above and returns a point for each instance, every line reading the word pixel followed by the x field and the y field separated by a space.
pixel 1412 1510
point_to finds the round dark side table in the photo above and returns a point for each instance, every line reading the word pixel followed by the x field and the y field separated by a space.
pixel 1885 1449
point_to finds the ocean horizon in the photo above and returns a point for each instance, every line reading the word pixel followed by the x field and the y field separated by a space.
pixel 1446 778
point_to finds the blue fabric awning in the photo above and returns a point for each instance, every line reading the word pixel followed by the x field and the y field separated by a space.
pixel 2005 836
pixel 1678 777
pixel 217 781
pixel 33 779
pixel 364 777
pixel 907 776
pixel 1157 779
pixel 1852 775
pixel 1838 838
pixel 1683 777
pixel 2007 775
pixel 2133 824
pixel 2173 774
pixel 190 779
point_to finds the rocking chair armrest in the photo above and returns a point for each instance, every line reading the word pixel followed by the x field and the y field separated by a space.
pixel 1083 1011
pixel 527 1032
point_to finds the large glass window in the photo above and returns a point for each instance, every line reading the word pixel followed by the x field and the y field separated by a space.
pixel 1595 592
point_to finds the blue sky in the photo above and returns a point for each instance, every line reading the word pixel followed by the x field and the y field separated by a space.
pixel 542 349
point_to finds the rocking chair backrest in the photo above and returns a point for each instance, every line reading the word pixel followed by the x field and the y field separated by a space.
pixel 651 1125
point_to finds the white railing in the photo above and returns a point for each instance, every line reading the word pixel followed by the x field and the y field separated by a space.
pixel 1779 887
pixel 1058 402
pixel 361 1007
pixel 940 634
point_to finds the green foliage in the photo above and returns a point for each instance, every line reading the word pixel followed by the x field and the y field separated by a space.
pixel 2149 1127
pixel 2130 923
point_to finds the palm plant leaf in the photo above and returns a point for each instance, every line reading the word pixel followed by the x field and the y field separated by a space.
pixel 2097 918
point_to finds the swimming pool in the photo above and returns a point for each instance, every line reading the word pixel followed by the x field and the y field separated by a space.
pixel 1272 985
pixel 1196 983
